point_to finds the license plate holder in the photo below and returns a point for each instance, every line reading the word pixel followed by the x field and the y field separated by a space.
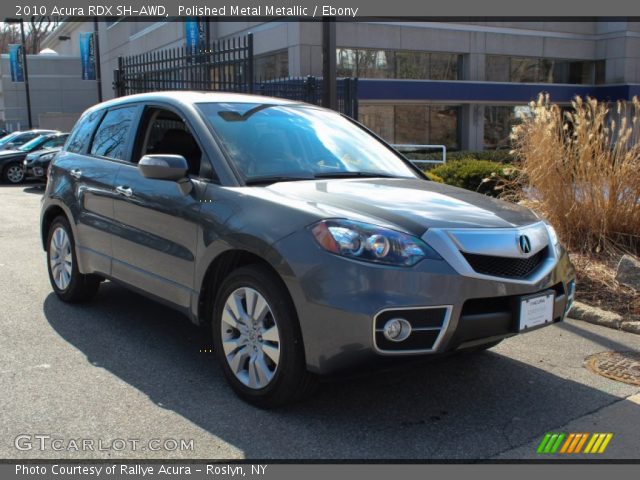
pixel 536 310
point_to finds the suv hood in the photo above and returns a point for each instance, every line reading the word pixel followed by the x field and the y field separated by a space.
pixel 412 205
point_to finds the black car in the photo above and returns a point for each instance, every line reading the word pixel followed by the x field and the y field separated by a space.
pixel 37 163
pixel 11 161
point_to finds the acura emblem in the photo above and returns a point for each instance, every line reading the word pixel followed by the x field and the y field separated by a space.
pixel 524 243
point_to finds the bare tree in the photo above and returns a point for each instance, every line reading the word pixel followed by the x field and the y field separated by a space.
pixel 36 28
pixel 39 27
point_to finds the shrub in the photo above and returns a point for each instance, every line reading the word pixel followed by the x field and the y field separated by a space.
pixel 433 177
pixel 481 176
pixel 583 169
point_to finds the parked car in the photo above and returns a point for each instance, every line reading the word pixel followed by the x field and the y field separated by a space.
pixel 304 241
pixel 37 162
pixel 17 139
pixel 12 161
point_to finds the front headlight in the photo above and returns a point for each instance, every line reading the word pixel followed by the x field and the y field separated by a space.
pixel 371 243
pixel 553 236
pixel 47 157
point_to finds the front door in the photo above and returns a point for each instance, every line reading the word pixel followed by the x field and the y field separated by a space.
pixel 155 247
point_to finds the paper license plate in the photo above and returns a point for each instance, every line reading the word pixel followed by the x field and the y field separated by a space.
pixel 536 310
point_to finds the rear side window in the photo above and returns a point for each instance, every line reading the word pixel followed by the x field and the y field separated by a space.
pixel 112 135
pixel 82 132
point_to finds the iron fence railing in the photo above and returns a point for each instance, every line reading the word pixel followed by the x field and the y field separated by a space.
pixel 225 65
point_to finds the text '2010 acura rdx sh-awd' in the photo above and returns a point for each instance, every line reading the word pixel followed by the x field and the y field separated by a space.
pixel 305 242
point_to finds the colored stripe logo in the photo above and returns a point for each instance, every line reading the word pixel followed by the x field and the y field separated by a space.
pixel 573 443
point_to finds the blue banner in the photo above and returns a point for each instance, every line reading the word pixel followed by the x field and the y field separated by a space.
pixel 195 34
pixel 15 62
pixel 88 55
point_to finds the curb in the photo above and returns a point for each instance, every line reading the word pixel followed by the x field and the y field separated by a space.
pixel 597 316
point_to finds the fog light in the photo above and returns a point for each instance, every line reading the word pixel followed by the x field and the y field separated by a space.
pixel 397 329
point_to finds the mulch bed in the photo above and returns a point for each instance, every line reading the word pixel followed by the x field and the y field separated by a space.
pixel 596 286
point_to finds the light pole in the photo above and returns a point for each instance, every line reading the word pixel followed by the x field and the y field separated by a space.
pixel 24 65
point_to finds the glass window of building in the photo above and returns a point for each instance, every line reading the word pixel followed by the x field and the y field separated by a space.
pixel 375 63
pixel 502 68
pixel 379 119
pixel 273 65
pixel 497 68
pixel 412 65
pixel 346 62
pixel 413 124
pixel 523 70
pixel 402 64
pixel 444 66
pixel 443 122
pixel 498 121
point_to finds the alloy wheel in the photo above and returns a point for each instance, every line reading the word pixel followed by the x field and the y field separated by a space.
pixel 250 338
pixel 15 174
pixel 60 258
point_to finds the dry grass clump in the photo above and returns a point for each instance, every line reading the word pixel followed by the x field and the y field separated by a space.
pixel 582 169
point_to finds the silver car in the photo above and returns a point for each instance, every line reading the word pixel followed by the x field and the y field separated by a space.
pixel 304 242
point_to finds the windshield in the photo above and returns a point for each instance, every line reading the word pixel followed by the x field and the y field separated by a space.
pixel 9 138
pixel 32 144
pixel 298 141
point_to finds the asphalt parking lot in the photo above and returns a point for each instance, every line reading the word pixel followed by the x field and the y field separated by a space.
pixel 124 367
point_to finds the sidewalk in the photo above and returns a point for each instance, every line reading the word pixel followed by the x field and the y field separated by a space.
pixel 621 418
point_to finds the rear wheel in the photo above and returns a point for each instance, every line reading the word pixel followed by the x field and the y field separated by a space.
pixel 13 173
pixel 68 283
pixel 257 339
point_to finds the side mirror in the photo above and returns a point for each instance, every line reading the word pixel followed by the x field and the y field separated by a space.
pixel 164 167
pixel 167 167
pixel 10 146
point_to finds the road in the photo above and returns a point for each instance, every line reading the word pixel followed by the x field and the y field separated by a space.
pixel 125 368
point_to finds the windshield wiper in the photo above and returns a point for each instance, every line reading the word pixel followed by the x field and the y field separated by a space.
pixel 269 179
pixel 355 175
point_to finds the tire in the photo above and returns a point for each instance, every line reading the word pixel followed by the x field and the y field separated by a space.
pixel 264 378
pixel 13 173
pixel 68 283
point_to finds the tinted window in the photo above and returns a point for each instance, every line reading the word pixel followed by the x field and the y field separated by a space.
pixel 82 132
pixel 111 137
pixel 54 142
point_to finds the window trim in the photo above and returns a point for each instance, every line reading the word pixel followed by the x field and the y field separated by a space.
pixel 129 143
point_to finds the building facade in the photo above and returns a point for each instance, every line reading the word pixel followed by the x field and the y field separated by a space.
pixel 460 84
pixel 58 94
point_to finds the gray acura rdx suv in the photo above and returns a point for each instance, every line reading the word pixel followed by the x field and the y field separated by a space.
pixel 305 242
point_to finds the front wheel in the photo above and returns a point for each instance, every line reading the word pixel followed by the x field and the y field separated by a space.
pixel 257 339
pixel 68 283
pixel 13 173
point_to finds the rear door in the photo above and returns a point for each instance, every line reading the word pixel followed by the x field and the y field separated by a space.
pixel 90 161
pixel 155 246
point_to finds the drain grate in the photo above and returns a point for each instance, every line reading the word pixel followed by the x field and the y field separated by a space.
pixel 620 366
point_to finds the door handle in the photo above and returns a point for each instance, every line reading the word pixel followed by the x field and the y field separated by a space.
pixel 126 191
pixel 75 173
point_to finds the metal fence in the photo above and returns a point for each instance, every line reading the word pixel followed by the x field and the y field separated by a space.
pixel 225 65
pixel 423 154
pixel 310 90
